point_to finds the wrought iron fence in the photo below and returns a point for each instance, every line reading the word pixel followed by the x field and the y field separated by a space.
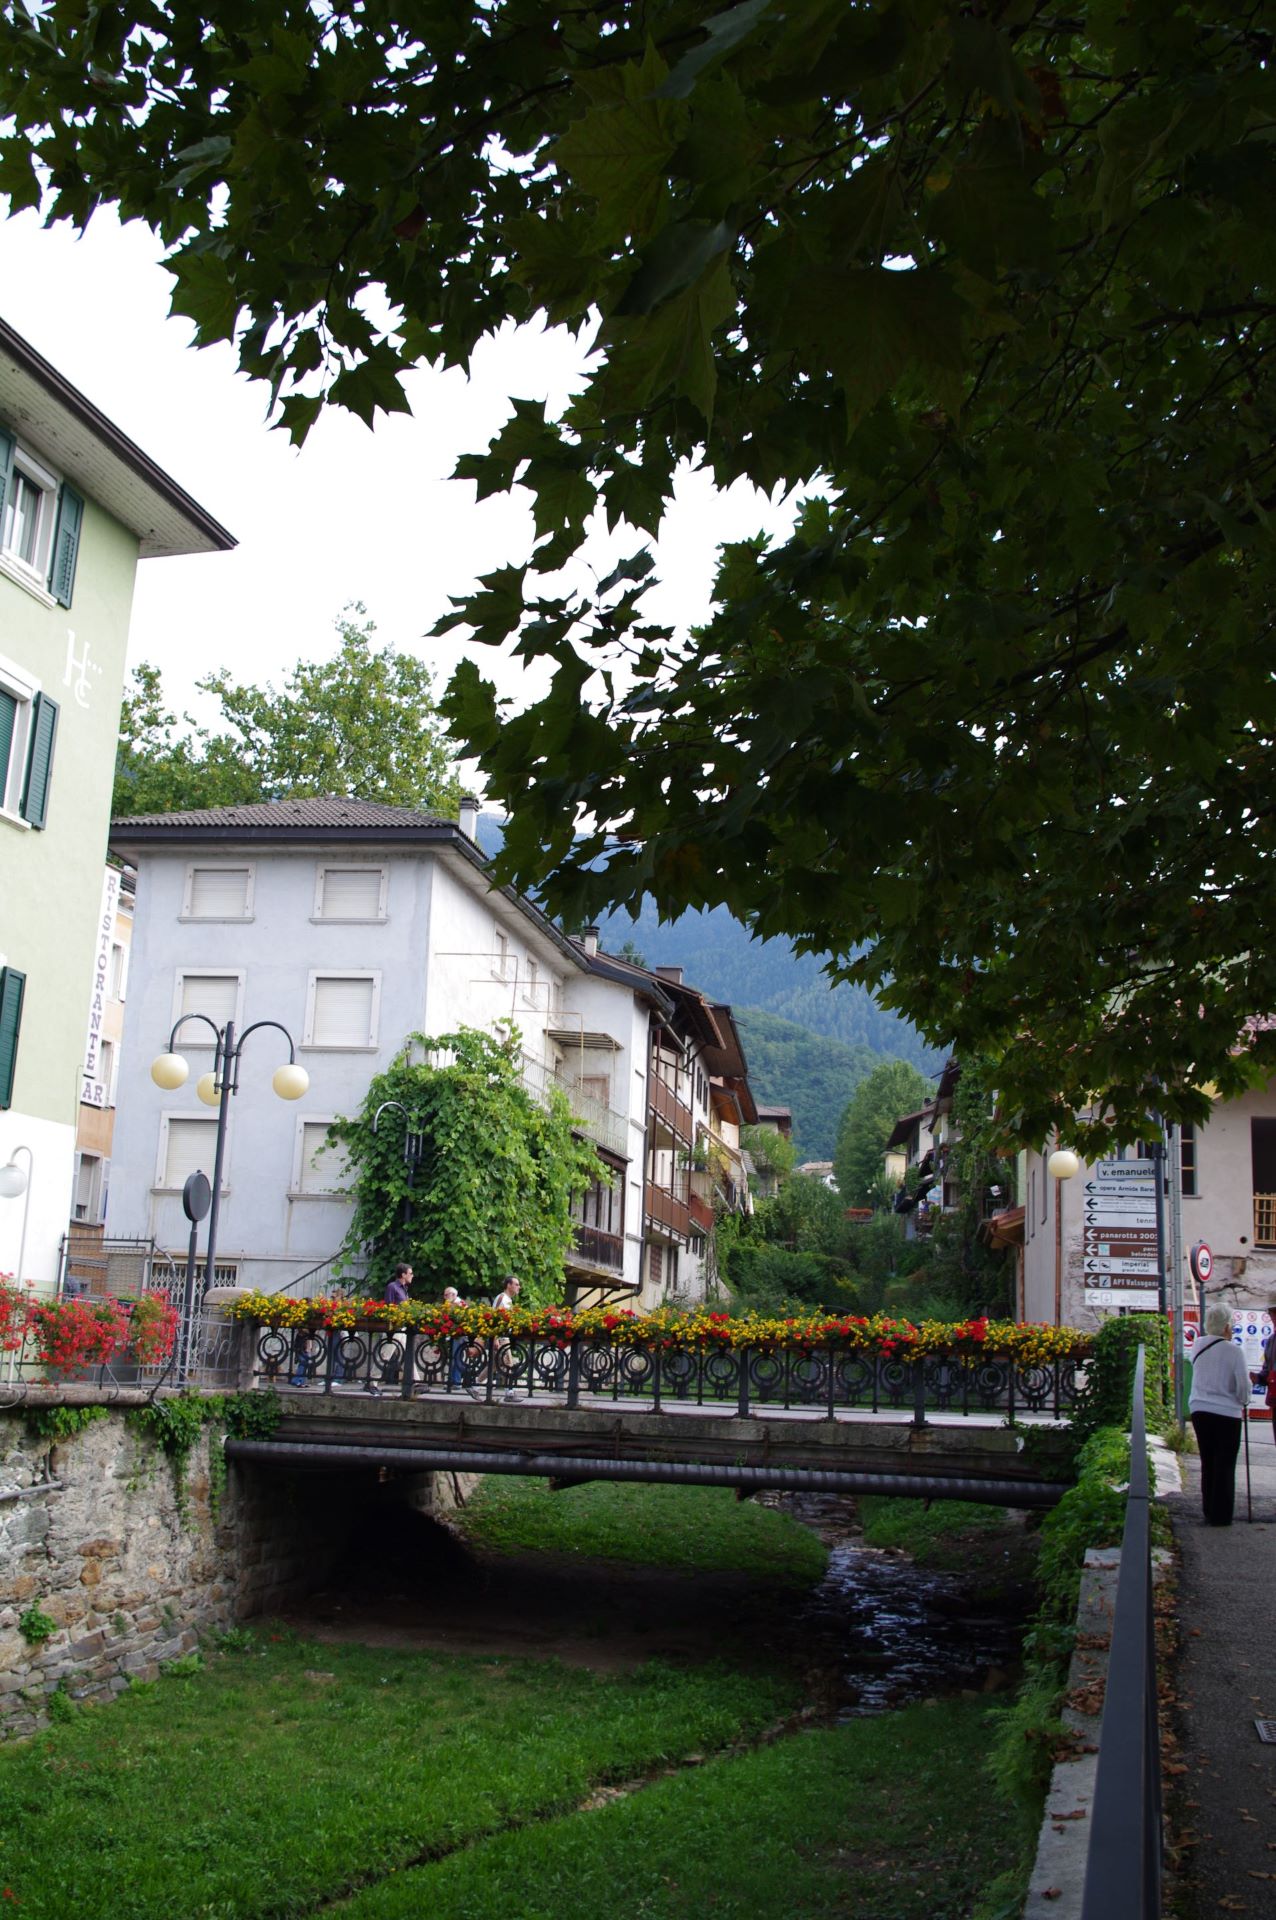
pixel 208 1353
pixel 586 1368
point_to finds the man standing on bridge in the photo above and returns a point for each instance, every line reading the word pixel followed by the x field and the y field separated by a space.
pixel 511 1287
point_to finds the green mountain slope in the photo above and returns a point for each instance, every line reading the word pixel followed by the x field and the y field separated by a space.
pixel 793 1067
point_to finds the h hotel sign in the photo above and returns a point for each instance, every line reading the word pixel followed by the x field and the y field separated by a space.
pixel 93 1089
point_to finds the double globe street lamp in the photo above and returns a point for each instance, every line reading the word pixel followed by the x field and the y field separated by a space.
pixel 170 1071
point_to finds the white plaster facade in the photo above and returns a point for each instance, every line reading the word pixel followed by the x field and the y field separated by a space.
pixel 1225 1164
pixel 239 921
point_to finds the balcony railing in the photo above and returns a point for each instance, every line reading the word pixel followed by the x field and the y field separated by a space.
pixel 1265 1219
pixel 604 1126
pixel 666 1106
pixel 667 1210
pixel 605 1251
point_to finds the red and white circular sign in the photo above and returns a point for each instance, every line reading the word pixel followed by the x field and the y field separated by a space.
pixel 1202 1262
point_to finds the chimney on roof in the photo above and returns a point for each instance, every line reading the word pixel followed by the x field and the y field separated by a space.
pixel 589 940
pixel 469 814
pixel 672 974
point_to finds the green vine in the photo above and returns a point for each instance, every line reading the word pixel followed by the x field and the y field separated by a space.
pixel 493 1188
pixel 61 1423
pixel 175 1425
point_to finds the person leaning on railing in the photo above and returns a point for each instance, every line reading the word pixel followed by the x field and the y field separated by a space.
pixel 1218 1402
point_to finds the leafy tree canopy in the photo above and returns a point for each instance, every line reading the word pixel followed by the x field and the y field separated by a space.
pixel 993 284
pixel 886 1094
pixel 492 1189
pixel 361 724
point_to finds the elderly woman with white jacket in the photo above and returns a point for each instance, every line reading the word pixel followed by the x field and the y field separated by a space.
pixel 1218 1402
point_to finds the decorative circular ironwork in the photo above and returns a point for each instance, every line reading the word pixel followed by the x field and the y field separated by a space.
pixel 766 1374
pixel 678 1375
pixel 809 1378
pixel 597 1363
pixel 720 1372
pixel 272 1349
pixel 992 1383
pixel 1034 1385
pixel 635 1366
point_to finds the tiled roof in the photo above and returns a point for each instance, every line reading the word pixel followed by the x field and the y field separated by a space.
pixel 329 811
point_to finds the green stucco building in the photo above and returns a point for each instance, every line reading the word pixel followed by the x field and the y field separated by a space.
pixel 80 504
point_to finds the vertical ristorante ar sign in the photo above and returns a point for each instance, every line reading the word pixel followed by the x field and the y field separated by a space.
pixel 93 1089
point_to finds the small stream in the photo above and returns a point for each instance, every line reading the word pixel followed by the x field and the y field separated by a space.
pixel 886 1631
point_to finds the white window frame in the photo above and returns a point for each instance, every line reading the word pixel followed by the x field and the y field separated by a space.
pixel 22 688
pixel 500 954
pixel 34 574
pixel 197 1034
pixel 120 992
pixel 296 1191
pixel 110 1079
pixel 218 866
pixel 374 1020
pixel 350 919
pixel 531 980
pixel 161 1158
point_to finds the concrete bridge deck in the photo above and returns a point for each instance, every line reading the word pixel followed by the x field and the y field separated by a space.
pixel 951 1455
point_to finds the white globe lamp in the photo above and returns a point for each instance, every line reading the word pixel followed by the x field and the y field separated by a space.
pixel 169 1070
pixel 207 1090
pixel 13 1182
pixel 1063 1164
pixel 290 1081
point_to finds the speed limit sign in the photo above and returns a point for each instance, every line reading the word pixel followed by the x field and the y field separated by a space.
pixel 1202 1263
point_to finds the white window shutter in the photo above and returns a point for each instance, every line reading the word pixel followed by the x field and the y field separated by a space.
pixel 213 994
pixel 351 893
pixel 191 1148
pixel 342 1012
pixel 219 893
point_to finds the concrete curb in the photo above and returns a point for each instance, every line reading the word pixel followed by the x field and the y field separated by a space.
pixel 1058 1877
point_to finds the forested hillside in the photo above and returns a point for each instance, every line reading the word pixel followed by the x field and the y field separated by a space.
pixel 809 1044
pixel 815 1075
pixel 717 954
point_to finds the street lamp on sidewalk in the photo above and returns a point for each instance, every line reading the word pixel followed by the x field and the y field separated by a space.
pixel 1062 1165
pixel 170 1071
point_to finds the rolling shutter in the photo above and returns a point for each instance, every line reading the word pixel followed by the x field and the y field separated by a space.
pixel 66 546
pixel 44 730
pixel 191 1147
pixel 351 893
pixel 12 991
pixel 219 893
pixel 342 1012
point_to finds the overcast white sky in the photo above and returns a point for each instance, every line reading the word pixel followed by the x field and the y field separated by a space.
pixel 354 515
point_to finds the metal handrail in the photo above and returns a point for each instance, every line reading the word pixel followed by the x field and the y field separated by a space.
pixel 1123 1865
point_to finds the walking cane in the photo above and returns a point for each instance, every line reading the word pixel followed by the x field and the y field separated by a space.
pixel 1249 1491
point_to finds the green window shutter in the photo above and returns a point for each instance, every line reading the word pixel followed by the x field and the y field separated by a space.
pixel 8 721
pixel 12 988
pixel 66 546
pixel 35 789
pixel 7 445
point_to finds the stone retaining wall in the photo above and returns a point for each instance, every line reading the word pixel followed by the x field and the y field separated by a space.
pixel 91 1536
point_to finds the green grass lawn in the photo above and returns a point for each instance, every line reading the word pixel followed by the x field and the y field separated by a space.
pixel 938 1534
pixel 881 1819
pixel 287 1772
pixel 693 1528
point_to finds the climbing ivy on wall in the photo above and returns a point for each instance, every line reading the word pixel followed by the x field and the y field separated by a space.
pixel 978 1278
pixel 493 1188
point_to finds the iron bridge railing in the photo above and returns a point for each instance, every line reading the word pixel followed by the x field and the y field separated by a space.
pixel 370 1359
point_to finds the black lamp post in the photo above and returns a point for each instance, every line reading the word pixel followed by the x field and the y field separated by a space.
pixel 169 1070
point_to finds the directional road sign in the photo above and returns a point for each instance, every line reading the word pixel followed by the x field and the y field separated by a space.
pixel 1105 1241
pixel 1108 1263
pixel 1122 1202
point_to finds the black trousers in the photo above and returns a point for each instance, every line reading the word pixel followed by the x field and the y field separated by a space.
pixel 1218 1435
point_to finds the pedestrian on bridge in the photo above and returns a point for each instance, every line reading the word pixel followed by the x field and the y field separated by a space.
pixel 395 1296
pixel 460 1342
pixel 505 1301
pixel 1218 1402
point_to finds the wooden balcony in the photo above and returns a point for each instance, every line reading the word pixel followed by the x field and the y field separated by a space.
pixel 664 1103
pixel 665 1210
pixel 600 1252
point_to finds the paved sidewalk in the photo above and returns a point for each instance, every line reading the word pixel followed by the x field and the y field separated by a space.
pixel 1227 1680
